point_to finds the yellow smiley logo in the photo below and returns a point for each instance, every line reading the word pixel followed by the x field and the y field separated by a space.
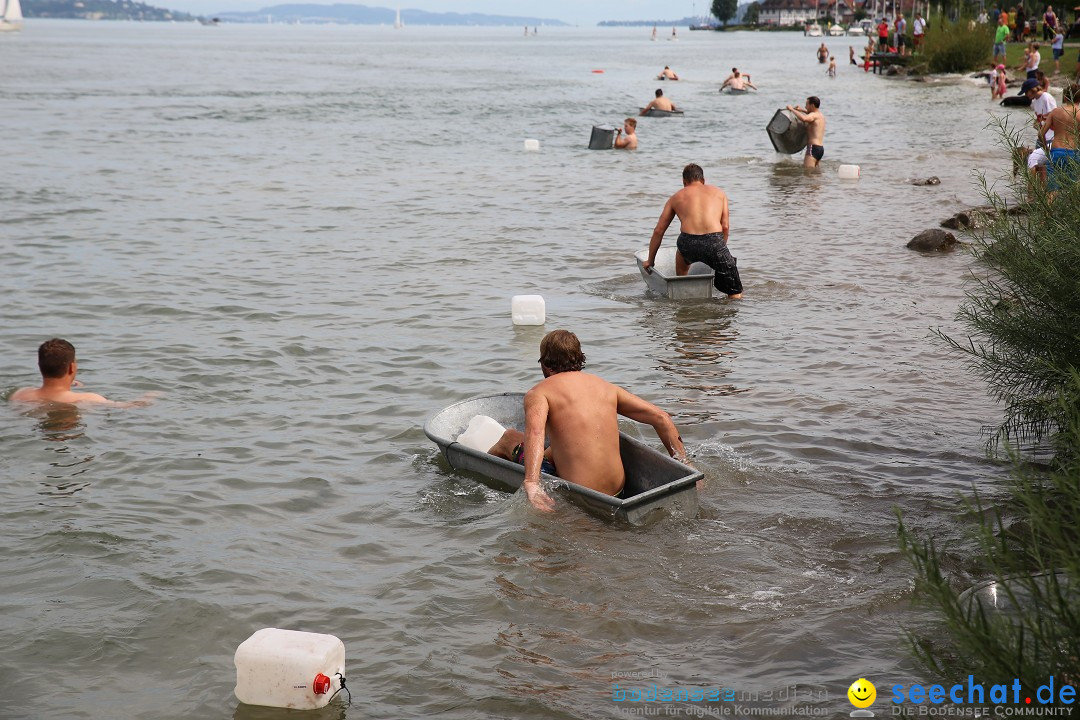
pixel 862 693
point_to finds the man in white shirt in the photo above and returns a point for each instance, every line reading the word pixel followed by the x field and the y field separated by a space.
pixel 918 29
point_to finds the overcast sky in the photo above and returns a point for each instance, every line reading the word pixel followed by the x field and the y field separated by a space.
pixel 575 12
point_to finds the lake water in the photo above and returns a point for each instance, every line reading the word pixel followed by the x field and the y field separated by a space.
pixel 307 239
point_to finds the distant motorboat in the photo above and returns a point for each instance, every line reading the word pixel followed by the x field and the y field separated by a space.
pixel 813 31
pixel 855 30
pixel 11 18
pixel 836 31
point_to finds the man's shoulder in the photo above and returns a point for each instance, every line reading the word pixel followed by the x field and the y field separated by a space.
pixel 26 394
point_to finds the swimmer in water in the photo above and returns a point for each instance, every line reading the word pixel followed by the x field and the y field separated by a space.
pixel 56 361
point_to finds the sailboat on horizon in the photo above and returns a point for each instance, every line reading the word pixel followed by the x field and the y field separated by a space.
pixel 397 21
pixel 11 18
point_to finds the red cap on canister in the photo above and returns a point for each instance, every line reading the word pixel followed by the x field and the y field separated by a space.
pixel 321 686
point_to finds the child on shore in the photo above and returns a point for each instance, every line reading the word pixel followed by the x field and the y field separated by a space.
pixel 1058 46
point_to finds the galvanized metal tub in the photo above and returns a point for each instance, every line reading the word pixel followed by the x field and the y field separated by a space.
pixel 657 113
pixel 695 285
pixel 656 485
pixel 602 138
pixel 787 132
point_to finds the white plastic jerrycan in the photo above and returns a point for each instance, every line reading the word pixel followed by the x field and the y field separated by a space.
pixel 288 669
pixel 528 310
pixel 482 433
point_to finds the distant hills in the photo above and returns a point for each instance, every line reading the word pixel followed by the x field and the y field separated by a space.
pixel 683 23
pixel 364 15
pixel 100 10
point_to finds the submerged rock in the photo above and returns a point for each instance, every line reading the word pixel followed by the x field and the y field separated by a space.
pixel 928 181
pixel 970 219
pixel 932 241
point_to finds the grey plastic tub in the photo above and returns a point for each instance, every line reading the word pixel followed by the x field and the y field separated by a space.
pixel 602 138
pixel 787 132
pixel 654 112
pixel 695 285
pixel 656 485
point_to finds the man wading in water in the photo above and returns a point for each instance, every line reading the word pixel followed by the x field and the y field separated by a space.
pixel 703 213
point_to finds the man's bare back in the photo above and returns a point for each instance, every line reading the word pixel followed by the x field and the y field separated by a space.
pixel 1063 121
pixel 579 413
pixel 701 209
pixel 58 395
pixel 659 103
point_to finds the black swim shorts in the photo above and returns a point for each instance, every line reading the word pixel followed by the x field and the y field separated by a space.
pixel 815 151
pixel 712 250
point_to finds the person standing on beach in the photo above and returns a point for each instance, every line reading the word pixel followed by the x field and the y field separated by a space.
pixel 1050 23
pixel 815 130
pixel 1057 46
pixel 56 361
pixel 626 136
pixel 703 216
pixel 883 35
pixel 1001 36
pixel 901 34
pixel 1032 58
pixel 918 29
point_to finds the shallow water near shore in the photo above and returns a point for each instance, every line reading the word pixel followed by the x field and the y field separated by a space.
pixel 307 238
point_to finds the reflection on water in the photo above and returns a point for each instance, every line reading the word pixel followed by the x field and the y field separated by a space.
pixel 58 422
pixel 61 423
pixel 699 351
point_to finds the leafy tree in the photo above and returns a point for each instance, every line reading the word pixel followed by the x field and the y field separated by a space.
pixel 725 10
pixel 753 14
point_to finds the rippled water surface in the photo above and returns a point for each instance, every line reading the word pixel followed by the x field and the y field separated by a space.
pixel 307 239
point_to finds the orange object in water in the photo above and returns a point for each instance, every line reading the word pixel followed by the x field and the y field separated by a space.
pixel 598 72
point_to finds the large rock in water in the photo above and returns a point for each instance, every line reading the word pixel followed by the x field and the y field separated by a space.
pixel 932 241
pixel 972 219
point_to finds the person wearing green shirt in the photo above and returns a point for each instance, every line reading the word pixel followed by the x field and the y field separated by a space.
pixel 1000 37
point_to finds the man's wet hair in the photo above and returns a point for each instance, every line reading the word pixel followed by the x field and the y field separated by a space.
pixel 560 351
pixel 659 92
pixel 54 357
pixel 814 100
pixel 632 122
pixel 693 173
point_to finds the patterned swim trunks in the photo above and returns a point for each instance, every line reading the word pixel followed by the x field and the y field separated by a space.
pixel 712 250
